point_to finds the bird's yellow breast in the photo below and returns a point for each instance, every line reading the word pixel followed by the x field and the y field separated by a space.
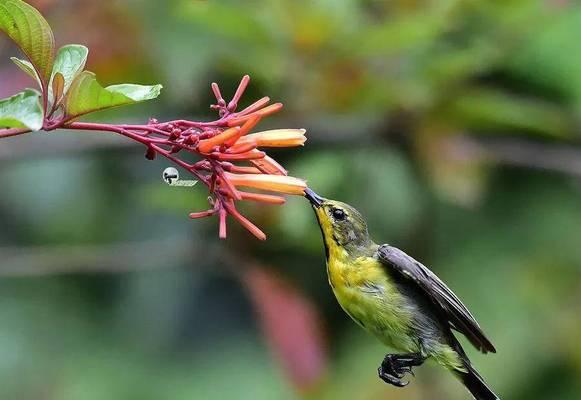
pixel 368 295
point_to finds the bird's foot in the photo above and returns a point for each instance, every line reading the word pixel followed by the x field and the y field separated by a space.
pixel 394 367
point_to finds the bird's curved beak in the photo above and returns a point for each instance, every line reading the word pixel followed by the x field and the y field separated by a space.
pixel 314 198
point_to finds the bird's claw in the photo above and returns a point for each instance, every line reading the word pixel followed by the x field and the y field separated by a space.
pixel 392 370
pixel 394 380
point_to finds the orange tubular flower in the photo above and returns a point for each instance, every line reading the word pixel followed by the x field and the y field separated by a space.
pixel 244 221
pixel 249 155
pixel 206 146
pixel 244 129
pixel 272 183
pixel 269 166
pixel 243 146
pixel 243 170
pixel 262 198
pixel 231 157
pixel 277 138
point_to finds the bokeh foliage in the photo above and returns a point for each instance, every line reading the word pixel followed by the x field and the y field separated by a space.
pixel 452 125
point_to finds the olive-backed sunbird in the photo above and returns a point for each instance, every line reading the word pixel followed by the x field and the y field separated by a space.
pixel 397 299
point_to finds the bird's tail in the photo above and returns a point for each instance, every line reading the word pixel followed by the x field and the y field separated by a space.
pixel 476 385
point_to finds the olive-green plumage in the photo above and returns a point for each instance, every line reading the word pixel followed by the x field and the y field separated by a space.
pixel 396 299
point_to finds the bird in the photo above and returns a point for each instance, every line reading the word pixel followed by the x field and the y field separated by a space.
pixel 398 300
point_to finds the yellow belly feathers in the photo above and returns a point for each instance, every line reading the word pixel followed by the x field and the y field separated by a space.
pixel 366 293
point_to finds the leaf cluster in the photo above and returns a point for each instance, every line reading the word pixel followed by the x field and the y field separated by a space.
pixel 67 90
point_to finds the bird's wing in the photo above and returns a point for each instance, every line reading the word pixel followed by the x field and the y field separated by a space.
pixel 457 314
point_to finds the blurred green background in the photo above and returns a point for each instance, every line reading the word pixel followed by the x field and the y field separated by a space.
pixel 452 125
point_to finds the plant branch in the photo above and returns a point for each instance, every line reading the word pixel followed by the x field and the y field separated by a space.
pixel 219 144
pixel 5 133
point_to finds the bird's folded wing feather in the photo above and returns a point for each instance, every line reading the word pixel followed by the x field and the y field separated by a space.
pixel 457 314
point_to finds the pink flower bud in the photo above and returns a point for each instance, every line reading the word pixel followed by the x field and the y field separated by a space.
pixel 266 111
pixel 202 214
pixel 150 153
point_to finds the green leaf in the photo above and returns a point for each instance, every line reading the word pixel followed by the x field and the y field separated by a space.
pixel 57 86
pixel 87 95
pixel 27 27
pixel 22 111
pixel 136 92
pixel 27 67
pixel 69 62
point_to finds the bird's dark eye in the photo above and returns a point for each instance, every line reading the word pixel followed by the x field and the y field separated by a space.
pixel 338 214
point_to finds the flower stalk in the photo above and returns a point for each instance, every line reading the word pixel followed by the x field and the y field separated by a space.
pixel 230 154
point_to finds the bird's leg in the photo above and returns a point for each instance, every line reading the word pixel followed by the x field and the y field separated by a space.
pixel 395 366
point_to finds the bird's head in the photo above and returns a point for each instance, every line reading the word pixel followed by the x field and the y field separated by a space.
pixel 340 223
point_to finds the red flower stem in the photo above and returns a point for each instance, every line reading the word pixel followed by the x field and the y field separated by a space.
pixel 145 128
pixel 191 168
pixel 88 126
pixel 222 178
pixel 230 187
pixel 149 142
pixel 244 221
pixel 44 85
pixel 193 124
pixel 52 111
pixel 5 133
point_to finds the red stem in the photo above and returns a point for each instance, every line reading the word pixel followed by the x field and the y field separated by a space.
pixel 169 138
pixel 153 143
pixel 5 133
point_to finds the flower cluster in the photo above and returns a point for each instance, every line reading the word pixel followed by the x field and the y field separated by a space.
pixel 231 155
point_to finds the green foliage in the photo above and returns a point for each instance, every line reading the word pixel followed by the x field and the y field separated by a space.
pixel 31 32
pixel 87 95
pixel 494 110
pixel 28 28
pixel 69 62
pixel 22 111
pixel 552 60
pixel 27 67
pixel 484 71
